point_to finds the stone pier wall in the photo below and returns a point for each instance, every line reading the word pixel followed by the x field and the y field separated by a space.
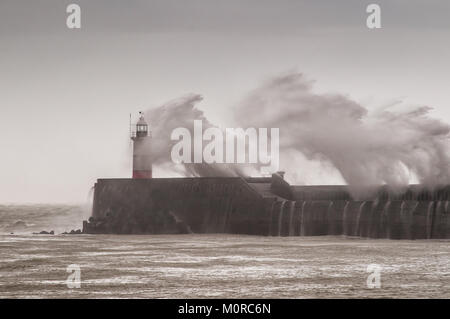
pixel 231 205
pixel 177 205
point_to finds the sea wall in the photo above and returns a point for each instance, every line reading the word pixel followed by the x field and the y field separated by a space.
pixel 177 205
pixel 230 205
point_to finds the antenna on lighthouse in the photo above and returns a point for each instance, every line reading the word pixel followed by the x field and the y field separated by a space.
pixel 130 126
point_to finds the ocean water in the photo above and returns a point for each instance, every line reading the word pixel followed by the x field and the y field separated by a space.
pixel 207 266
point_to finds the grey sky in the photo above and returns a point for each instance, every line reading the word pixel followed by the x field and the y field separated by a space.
pixel 65 94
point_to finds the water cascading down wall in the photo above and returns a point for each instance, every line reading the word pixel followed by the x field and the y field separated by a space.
pixel 394 219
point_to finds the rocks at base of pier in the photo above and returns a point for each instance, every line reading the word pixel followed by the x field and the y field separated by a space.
pixel 161 222
pixel 73 232
pixel 45 233
pixel 52 232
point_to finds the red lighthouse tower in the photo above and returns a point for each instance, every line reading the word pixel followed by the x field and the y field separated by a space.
pixel 142 162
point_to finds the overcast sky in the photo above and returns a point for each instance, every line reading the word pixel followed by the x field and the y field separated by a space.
pixel 65 95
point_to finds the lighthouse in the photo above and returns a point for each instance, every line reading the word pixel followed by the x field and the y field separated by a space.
pixel 142 162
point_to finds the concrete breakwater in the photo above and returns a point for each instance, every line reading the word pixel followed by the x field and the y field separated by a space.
pixel 264 206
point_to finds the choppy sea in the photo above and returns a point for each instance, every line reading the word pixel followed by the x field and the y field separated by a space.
pixel 207 265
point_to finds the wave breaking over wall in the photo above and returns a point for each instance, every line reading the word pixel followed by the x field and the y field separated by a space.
pixel 394 145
